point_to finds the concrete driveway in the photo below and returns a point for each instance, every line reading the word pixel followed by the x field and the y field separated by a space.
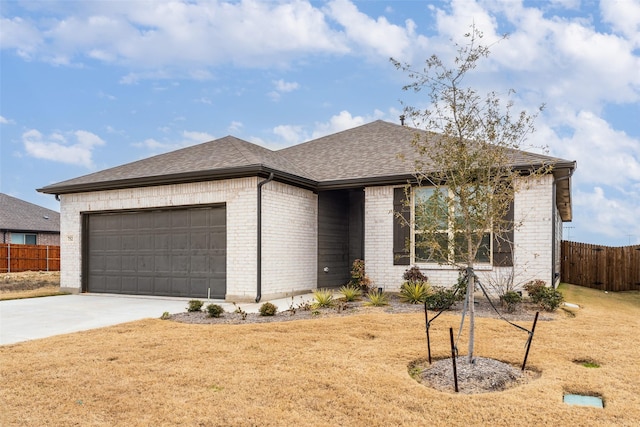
pixel 34 318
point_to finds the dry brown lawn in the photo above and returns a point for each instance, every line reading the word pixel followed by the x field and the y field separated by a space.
pixel 29 284
pixel 330 371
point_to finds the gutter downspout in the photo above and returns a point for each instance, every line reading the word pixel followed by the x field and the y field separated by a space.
pixel 553 227
pixel 259 255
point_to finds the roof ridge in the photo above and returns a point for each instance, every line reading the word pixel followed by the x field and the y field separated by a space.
pixel 239 145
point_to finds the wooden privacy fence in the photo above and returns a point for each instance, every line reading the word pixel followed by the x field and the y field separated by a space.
pixel 601 267
pixel 15 258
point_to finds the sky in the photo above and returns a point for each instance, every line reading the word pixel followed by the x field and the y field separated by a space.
pixel 88 85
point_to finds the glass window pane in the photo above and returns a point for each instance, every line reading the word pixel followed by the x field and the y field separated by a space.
pixel 425 251
pixel 483 255
pixel 17 238
pixel 430 207
pixel 484 252
pixel 30 239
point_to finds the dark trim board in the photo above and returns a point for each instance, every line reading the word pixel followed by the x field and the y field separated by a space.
pixel 178 251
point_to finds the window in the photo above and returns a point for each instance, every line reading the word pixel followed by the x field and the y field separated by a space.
pixel 435 209
pixel 23 239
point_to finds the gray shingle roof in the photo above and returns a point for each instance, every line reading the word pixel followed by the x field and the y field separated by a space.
pixel 377 149
pixel 374 153
pixel 224 154
pixel 18 215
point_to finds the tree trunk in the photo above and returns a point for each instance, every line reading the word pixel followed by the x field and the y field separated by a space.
pixel 471 285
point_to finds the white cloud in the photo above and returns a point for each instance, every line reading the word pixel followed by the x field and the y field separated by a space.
pixel 377 37
pixel 342 121
pixel 104 95
pixel 193 137
pixel 5 121
pixel 20 35
pixel 187 139
pixel 282 87
pixel 615 217
pixel 624 18
pixel 56 147
pixel 605 156
pixel 235 126
pixel 175 34
pixel 290 134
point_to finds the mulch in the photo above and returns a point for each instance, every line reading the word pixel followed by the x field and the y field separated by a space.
pixel 525 312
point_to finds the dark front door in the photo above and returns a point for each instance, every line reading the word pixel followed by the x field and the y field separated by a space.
pixel 340 235
pixel 169 252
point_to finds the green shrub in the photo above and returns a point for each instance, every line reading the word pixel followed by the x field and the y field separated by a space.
pixel 165 316
pixel 551 299
pixel 194 305
pixel 547 298
pixel 268 309
pixel 510 300
pixel 414 275
pixel 351 293
pixel 323 298
pixel 414 292
pixel 441 298
pixel 377 299
pixel 535 289
pixel 215 310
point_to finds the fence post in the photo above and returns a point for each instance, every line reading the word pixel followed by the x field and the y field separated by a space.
pixel 9 258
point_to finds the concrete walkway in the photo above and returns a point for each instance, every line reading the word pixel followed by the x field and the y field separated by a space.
pixel 34 318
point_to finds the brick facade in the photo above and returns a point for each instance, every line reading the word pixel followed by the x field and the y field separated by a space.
pixel 533 239
pixel 289 240
pixel 289 212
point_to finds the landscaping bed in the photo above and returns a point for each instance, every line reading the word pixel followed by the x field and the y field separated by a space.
pixel 524 312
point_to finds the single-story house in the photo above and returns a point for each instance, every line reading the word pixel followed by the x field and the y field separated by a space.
pixel 24 223
pixel 231 219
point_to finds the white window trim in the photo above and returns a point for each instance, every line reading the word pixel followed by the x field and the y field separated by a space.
pixel 434 265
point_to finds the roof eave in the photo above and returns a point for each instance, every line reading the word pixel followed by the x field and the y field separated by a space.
pixel 343 184
pixel 180 178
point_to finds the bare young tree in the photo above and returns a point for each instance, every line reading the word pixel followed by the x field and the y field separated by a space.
pixel 465 168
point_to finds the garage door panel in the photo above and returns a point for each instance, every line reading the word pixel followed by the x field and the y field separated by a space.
pixel 130 284
pixel 180 252
pixel 129 264
pixel 145 285
pixel 200 264
pixel 162 240
pixel 113 263
pixel 145 242
pixel 145 264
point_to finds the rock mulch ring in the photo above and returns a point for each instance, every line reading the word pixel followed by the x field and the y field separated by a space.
pixel 482 376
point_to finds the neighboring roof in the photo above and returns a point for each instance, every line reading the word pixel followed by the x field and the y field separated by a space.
pixel 376 153
pixel 18 215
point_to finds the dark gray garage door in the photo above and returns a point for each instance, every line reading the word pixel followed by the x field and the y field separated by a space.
pixel 176 252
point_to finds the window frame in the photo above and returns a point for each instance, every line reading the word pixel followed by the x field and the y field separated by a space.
pixel 449 232
pixel 24 238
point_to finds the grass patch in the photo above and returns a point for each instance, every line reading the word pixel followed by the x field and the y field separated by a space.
pixel 323 371
pixel 46 291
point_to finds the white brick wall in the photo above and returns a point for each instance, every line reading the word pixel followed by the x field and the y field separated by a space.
pixel 378 238
pixel 289 240
pixel 240 196
pixel 534 237
pixel 533 240
pixel 289 216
